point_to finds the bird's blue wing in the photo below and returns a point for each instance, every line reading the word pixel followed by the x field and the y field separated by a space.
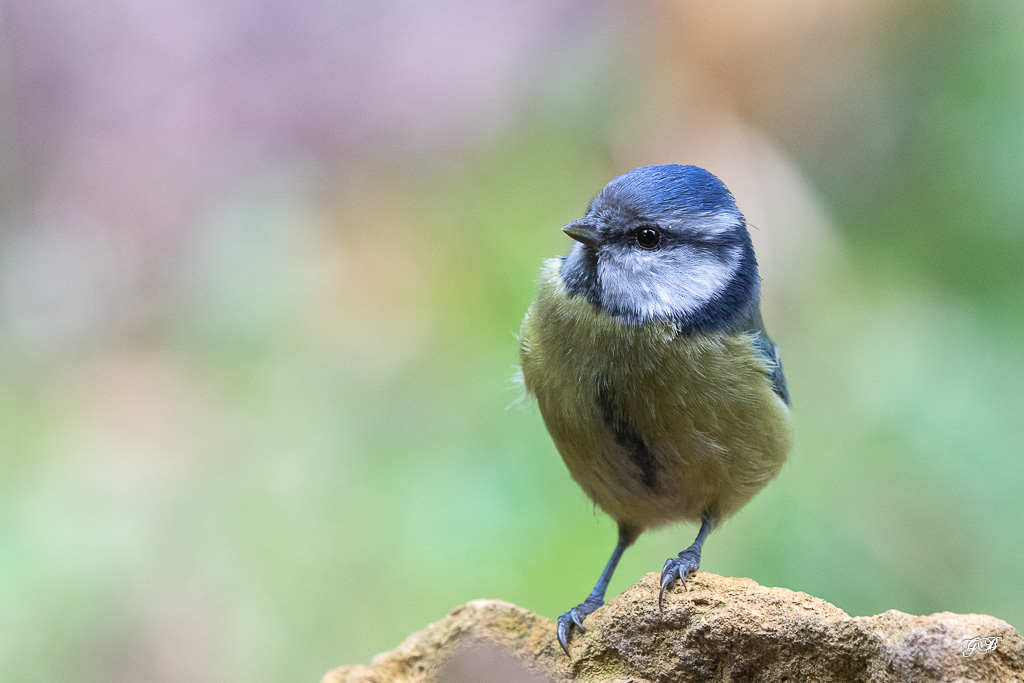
pixel 770 352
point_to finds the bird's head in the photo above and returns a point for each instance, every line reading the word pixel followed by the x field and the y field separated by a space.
pixel 665 243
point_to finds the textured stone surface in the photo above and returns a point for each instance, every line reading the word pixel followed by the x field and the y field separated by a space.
pixel 721 629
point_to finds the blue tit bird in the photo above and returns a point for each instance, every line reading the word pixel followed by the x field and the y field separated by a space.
pixel 651 366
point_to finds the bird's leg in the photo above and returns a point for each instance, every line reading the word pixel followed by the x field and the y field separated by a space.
pixel 575 616
pixel 688 561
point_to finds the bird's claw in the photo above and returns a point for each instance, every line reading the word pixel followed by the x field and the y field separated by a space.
pixel 575 617
pixel 681 568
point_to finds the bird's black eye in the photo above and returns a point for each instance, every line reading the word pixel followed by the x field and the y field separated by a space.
pixel 647 237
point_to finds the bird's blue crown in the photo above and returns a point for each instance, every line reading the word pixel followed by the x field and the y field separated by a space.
pixel 673 188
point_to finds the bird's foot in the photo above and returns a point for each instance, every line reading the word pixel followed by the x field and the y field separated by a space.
pixel 575 617
pixel 680 567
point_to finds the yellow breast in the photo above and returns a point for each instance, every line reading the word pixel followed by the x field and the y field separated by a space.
pixel 654 426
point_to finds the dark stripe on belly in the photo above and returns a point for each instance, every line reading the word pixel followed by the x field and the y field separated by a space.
pixel 624 435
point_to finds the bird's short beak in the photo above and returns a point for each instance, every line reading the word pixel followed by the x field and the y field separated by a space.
pixel 582 231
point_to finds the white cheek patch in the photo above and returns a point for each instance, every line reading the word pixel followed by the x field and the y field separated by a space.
pixel 665 284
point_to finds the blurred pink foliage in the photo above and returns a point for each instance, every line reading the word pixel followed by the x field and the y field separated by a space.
pixel 127 122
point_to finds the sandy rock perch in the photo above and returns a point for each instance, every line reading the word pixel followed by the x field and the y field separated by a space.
pixel 721 629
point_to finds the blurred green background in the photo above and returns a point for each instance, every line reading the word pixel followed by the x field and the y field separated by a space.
pixel 262 264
